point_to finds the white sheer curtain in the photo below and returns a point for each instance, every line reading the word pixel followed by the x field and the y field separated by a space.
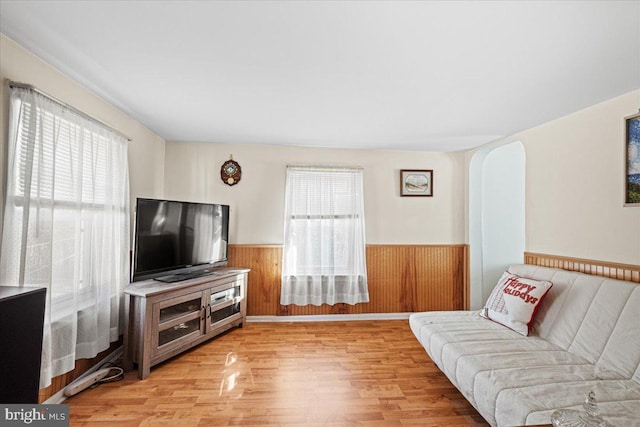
pixel 66 225
pixel 324 249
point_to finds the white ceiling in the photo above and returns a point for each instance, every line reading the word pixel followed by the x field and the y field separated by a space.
pixel 389 75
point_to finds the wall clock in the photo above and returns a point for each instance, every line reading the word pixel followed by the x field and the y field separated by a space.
pixel 230 172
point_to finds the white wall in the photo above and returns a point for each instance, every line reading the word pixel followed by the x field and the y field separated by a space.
pixel 192 173
pixel 503 212
pixel 495 213
pixel 575 184
pixel 146 150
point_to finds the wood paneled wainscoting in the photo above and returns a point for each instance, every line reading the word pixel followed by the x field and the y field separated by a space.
pixel 402 278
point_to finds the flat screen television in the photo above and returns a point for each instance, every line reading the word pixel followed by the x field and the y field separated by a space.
pixel 178 240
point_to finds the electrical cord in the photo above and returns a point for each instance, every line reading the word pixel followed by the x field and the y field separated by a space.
pixel 119 376
pixel 113 378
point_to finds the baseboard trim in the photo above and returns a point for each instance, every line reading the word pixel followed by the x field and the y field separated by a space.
pixel 59 397
pixel 330 317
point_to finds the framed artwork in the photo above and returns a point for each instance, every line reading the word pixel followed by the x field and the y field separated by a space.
pixel 632 161
pixel 414 182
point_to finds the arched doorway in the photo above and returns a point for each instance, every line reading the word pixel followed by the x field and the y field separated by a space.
pixel 496 215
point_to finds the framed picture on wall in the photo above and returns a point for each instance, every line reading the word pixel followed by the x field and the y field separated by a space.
pixel 414 182
pixel 632 161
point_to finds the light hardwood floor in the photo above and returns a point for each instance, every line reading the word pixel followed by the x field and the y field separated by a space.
pixel 370 373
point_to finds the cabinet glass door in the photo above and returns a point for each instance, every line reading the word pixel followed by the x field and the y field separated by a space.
pixel 179 310
pixel 225 303
pixel 178 319
pixel 178 331
pixel 223 313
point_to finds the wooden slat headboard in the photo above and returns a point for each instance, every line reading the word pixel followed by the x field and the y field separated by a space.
pixel 611 270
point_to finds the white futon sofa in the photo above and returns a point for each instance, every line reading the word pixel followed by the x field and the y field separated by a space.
pixel 586 336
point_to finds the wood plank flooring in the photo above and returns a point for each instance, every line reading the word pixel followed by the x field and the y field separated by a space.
pixel 369 373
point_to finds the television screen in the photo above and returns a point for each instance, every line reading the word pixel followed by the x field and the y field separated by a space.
pixel 178 238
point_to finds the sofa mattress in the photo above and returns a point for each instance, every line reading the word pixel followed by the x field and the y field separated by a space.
pixel 515 380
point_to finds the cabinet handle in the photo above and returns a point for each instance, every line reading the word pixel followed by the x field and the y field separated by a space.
pixel 209 307
pixel 204 312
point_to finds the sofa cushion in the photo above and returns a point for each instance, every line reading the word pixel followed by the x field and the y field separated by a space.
pixel 563 309
pixel 514 301
pixel 428 325
pixel 591 316
pixel 621 352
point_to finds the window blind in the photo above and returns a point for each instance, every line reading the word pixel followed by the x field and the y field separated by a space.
pixel 324 249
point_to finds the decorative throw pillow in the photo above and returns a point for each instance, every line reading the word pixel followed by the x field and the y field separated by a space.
pixel 514 302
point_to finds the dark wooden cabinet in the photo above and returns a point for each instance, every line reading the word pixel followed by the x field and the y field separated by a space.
pixel 21 320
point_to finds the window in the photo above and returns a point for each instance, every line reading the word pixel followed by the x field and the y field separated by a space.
pixel 324 249
pixel 66 225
